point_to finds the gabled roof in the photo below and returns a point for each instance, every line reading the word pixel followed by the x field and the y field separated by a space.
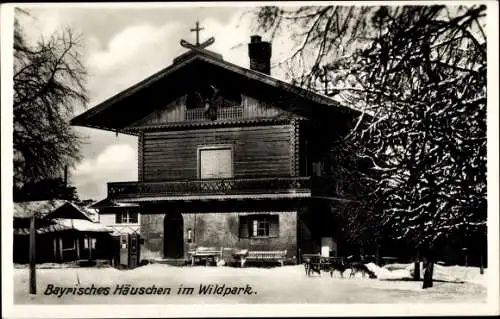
pixel 63 224
pixel 47 209
pixel 119 111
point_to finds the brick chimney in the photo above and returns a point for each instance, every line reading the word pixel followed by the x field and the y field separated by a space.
pixel 259 53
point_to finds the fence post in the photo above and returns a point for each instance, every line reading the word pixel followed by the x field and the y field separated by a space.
pixel 481 267
pixel 32 256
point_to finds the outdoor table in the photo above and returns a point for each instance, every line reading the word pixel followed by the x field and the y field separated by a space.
pixel 206 256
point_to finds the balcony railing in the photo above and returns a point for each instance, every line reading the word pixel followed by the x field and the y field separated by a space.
pixel 233 186
pixel 223 113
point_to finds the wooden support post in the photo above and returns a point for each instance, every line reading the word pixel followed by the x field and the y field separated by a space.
pixel 55 249
pixel 61 254
pixel 32 254
pixel 90 247
pixel 77 242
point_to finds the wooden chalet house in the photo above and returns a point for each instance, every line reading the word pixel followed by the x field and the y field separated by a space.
pixel 228 156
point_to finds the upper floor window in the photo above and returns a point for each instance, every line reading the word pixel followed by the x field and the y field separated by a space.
pixel 127 217
pixel 215 162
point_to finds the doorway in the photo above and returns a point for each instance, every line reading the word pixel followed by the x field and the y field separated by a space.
pixel 173 236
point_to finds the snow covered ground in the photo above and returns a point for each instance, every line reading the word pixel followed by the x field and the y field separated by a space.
pixel 452 274
pixel 287 284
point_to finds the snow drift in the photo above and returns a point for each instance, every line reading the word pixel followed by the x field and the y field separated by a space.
pixel 441 273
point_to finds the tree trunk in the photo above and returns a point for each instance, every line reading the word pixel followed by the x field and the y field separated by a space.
pixel 428 272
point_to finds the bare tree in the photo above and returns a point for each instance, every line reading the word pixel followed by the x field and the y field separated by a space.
pixel 418 73
pixel 49 81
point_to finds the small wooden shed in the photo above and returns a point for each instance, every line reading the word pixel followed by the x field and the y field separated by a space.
pixel 64 232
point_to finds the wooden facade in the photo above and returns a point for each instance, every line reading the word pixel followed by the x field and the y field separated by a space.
pixel 177 112
pixel 257 151
pixel 230 171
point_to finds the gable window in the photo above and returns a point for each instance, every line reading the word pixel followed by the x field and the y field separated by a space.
pixel 215 162
pixel 259 226
pixel 127 217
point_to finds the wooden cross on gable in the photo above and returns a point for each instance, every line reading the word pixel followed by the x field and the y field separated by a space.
pixel 198 45
pixel 197 30
pixel 213 92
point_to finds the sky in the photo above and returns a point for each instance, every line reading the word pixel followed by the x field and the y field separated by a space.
pixel 122 46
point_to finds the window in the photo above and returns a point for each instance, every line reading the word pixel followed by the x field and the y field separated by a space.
pixel 127 217
pixel 259 226
pixel 89 242
pixel 216 162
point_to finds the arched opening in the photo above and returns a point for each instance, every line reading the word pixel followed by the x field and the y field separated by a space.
pixel 173 237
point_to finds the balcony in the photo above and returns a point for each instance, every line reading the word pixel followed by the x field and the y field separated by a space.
pixel 287 186
pixel 223 113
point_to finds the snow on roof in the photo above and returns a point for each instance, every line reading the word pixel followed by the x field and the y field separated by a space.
pixel 108 203
pixel 82 225
pixel 41 230
pixel 91 213
pixel 61 224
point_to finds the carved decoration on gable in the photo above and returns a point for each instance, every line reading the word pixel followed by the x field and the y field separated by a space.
pixel 210 98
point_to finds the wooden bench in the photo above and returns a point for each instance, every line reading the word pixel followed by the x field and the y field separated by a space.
pixel 273 256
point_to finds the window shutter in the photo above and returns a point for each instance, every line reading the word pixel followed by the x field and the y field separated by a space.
pixel 274 227
pixel 133 217
pixel 244 226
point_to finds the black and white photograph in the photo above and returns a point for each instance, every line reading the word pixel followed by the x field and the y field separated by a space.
pixel 267 158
